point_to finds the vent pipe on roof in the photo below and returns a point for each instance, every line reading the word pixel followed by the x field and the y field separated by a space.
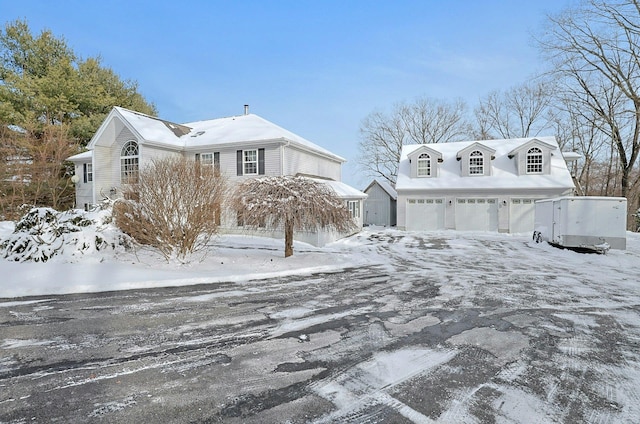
pixel 246 109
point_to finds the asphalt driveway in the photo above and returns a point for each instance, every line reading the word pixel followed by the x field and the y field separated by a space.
pixel 452 329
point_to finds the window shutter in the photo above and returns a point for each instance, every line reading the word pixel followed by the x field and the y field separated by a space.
pixel 260 161
pixel 216 160
pixel 239 162
pixel 84 172
pixel 197 157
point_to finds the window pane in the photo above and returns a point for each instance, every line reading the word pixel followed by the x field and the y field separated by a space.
pixel 206 159
pixel 250 161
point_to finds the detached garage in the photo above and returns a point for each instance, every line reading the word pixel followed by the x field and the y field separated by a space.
pixel 488 185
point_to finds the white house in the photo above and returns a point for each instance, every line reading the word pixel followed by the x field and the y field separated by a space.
pixel 488 185
pixel 244 146
pixel 380 206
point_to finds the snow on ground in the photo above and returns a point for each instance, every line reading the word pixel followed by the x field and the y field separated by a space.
pixel 237 258
pixel 564 310
pixel 232 258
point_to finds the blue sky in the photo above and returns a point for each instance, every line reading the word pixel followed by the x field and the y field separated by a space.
pixel 316 68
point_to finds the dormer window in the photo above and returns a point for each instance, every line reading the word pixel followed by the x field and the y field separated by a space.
pixel 476 163
pixel 424 162
pixel 534 161
pixel 424 165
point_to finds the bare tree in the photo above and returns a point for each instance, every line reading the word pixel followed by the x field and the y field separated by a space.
pixel 424 121
pixel 519 112
pixel 595 50
pixel 291 203
pixel 34 171
pixel 175 206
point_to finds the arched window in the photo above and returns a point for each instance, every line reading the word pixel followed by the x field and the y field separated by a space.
pixel 129 163
pixel 534 161
pixel 424 165
pixel 476 163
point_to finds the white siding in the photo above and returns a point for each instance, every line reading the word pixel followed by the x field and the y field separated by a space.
pixel 150 153
pixel 228 160
pixel 102 172
pixel 297 161
pixel 84 191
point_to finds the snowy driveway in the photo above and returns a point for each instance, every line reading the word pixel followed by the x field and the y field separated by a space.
pixel 449 327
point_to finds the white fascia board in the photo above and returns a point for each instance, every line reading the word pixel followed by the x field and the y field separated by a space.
pixel 234 144
pixel 113 114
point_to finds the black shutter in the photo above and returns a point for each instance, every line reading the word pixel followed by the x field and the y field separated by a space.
pixel 239 162
pixel 260 161
pixel 84 171
pixel 216 161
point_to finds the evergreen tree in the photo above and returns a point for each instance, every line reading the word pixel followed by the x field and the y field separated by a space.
pixel 51 104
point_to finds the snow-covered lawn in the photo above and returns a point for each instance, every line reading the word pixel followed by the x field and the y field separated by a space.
pixel 237 258
pixel 231 258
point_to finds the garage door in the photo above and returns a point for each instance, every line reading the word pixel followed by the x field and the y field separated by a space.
pixel 425 214
pixel 521 215
pixel 477 214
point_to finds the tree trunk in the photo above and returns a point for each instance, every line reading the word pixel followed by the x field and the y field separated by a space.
pixel 288 238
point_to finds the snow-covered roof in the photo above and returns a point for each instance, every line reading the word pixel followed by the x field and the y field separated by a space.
pixel 504 171
pixel 385 186
pixel 203 134
pixel 81 157
pixel 343 190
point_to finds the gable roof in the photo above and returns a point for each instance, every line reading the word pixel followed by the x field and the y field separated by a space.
pixel 385 186
pixel 424 148
pixel 504 170
pixel 473 146
pixel 210 133
pixel 529 144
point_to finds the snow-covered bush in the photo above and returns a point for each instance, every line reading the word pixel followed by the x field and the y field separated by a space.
pixel 44 233
pixel 175 207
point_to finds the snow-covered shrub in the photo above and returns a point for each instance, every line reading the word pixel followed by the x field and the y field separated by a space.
pixel 291 203
pixel 175 207
pixel 44 233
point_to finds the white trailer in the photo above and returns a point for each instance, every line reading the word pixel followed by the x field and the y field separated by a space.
pixel 583 223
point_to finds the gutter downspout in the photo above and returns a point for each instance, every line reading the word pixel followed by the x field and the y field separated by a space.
pixel 282 157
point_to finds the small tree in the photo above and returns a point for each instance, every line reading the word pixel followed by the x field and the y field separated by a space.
pixel 175 206
pixel 291 203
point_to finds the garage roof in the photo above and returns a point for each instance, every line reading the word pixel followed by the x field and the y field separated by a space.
pixel 504 170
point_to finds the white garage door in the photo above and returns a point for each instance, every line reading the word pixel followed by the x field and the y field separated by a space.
pixel 477 214
pixel 521 215
pixel 425 214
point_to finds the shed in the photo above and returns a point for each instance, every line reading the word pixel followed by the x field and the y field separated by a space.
pixel 380 205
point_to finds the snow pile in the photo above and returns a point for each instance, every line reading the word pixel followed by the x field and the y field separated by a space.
pixel 44 233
